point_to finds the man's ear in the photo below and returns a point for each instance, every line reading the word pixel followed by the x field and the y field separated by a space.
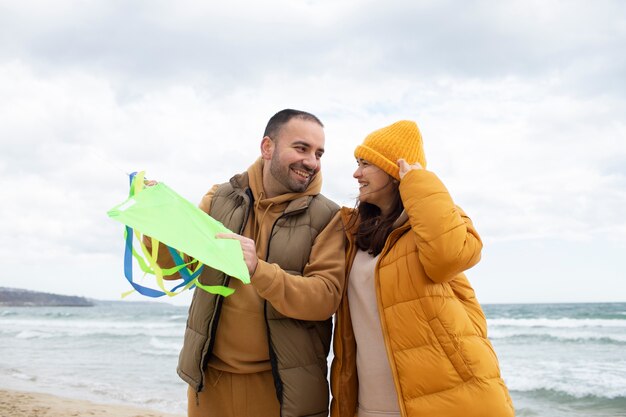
pixel 267 148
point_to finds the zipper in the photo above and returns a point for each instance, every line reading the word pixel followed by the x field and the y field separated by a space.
pixel 383 325
pixel 278 383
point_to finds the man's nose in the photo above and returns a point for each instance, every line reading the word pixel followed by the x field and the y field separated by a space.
pixel 311 162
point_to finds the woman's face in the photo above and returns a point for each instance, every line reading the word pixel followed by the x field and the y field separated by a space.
pixel 375 185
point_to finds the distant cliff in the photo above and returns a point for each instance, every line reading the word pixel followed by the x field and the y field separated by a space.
pixel 24 298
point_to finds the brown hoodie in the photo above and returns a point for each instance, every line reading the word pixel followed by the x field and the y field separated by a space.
pixel 240 343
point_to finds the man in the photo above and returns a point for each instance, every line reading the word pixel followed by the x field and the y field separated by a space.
pixel 262 351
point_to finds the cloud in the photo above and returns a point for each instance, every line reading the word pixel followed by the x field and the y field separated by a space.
pixel 521 156
pixel 521 105
pixel 241 43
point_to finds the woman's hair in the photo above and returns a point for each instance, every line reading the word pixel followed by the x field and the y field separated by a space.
pixel 373 228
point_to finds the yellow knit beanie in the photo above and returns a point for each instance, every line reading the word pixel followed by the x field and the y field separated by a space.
pixel 385 146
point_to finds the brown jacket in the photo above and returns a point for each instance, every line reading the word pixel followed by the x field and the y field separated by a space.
pixel 297 285
pixel 434 329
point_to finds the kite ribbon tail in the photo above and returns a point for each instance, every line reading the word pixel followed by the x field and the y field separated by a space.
pixel 215 289
pixel 136 182
pixel 132 253
pixel 158 272
pixel 193 279
pixel 188 276
pixel 128 269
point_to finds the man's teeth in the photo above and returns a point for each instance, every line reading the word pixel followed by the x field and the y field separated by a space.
pixel 302 173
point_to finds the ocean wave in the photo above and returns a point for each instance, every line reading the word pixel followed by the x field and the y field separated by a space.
pixel 95 334
pixel 90 324
pixel 564 397
pixel 160 344
pixel 85 328
pixel 522 336
pixel 33 334
pixel 152 352
pixel 576 377
pixel 63 314
pixel 139 392
pixel 565 390
pixel 17 374
pixel 554 323
pixel 160 347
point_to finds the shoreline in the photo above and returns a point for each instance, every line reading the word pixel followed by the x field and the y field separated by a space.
pixel 17 403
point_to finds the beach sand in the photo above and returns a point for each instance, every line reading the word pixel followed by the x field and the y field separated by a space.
pixel 29 404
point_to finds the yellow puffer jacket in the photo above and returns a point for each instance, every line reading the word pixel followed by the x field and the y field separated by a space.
pixel 435 332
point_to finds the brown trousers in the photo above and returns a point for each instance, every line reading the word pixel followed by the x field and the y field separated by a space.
pixel 234 395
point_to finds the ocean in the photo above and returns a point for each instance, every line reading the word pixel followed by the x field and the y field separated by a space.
pixel 557 359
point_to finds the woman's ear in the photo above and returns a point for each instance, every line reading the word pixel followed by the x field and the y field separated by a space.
pixel 267 148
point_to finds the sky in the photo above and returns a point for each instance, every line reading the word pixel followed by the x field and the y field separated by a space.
pixel 521 104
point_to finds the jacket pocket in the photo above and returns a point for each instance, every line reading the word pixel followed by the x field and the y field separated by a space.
pixel 450 349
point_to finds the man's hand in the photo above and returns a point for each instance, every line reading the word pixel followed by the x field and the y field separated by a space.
pixel 405 167
pixel 247 246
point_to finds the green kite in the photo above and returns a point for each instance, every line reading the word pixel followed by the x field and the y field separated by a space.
pixel 168 218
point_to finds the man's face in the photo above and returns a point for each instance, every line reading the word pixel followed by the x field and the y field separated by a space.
pixel 294 156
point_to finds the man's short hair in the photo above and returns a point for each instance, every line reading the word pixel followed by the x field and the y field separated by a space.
pixel 281 118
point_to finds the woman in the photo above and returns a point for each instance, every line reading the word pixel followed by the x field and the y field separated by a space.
pixel 410 337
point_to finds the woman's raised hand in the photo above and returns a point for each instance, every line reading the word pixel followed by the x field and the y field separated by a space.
pixel 405 167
